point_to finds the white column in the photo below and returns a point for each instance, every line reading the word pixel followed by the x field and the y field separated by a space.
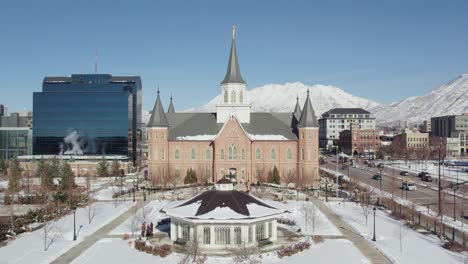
pixel 245 233
pixel 212 235
pixel 274 234
pixel 179 231
pixel 267 226
pixel 231 230
pixel 192 238
pixel 173 231
pixel 254 232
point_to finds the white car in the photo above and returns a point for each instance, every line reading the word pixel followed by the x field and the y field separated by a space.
pixel 408 186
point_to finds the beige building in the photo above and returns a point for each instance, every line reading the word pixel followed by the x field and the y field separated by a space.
pixel 413 139
pixel 233 141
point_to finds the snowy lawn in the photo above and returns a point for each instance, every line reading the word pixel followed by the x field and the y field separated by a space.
pixel 116 251
pixel 148 213
pixel 107 193
pixel 29 247
pixel 414 245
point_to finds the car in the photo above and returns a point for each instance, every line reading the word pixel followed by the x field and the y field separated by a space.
pixel 371 164
pixel 366 161
pixel 404 173
pixel 426 177
pixel 380 166
pixel 422 173
pixel 408 186
pixel 377 177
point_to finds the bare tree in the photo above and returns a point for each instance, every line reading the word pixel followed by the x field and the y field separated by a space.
pixel 14 179
pixel 244 254
pixel 193 253
pixel 91 210
pixel 310 213
pixel 400 232
pixel 366 203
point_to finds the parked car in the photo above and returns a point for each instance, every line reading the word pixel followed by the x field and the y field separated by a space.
pixel 380 166
pixel 377 177
pixel 404 173
pixel 422 173
pixel 426 177
pixel 408 186
pixel 371 164
pixel 366 161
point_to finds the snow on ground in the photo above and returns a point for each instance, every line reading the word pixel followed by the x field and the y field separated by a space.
pixel 3 184
pixel 116 250
pixel 29 247
pixel 414 244
pixel 150 213
pixel 107 193
pixel 96 183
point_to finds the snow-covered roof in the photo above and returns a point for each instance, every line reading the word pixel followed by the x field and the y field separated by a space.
pixel 222 205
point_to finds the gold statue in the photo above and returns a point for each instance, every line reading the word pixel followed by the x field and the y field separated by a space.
pixel 233 32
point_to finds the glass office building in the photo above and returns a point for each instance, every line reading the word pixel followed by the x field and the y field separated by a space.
pixel 87 114
pixel 15 141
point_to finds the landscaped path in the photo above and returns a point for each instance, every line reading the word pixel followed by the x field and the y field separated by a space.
pixel 88 241
pixel 364 245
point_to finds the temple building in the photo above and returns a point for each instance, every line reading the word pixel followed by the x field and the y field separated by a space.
pixel 233 141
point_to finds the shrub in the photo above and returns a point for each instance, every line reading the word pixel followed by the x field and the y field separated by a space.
pixel 454 246
pixel 293 249
pixel 318 239
pixel 286 221
pixel 125 236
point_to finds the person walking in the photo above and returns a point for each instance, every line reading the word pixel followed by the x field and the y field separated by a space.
pixel 143 229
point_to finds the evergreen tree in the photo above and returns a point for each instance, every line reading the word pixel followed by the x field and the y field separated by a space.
pixel 54 168
pixel 191 177
pixel 115 168
pixel 67 177
pixel 3 167
pixel 274 176
pixel 14 176
pixel 103 168
pixel 42 172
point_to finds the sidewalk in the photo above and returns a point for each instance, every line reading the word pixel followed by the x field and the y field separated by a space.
pixel 365 246
pixel 75 251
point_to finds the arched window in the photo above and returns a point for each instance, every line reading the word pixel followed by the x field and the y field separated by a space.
pixel 192 154
pixel 237 235
pixel 222 153
pixel 241 97
pixel 176 154
pixel 243 154
pixel 163 154
pixel 225 96
pixel 234 152
pixel 207 154
pixel 273 154
pixel 257 154
pixel 302 154
pixel 230 152
pixel 289 154
pixel 233 97
pixel 206 235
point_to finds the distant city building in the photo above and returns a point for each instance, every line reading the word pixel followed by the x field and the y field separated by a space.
pixel 15 135
pixel 426 128
pixel 412 140
pixel 452 126
pixel 357 141
pixel 403 124
pixel 338 119
pixel 386 139
pixel 2 110
pixel 452 147
pixel 88 114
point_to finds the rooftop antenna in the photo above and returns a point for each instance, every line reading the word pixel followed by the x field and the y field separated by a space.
pixel 95 62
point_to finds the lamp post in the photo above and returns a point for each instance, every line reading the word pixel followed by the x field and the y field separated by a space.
pixel 134 190
pixel 373 239
pixel 74 222
pixel 336 169
pixel 380 173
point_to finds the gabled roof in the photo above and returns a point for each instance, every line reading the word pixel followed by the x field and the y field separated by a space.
pixel 233 74
pixel 158 116
pixel 171 108
pixel 308 118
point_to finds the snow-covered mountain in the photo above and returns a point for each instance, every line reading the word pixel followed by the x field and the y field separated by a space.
pixel 450 98
pixel 282 98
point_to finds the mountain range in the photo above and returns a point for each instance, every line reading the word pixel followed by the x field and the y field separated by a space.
pixel 450 98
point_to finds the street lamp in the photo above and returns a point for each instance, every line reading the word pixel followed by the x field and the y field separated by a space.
pixel 375 209
pixel 73 207
pixel 134 190
pixel 380 173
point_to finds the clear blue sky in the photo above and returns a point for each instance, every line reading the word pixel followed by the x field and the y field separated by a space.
pixel 381 50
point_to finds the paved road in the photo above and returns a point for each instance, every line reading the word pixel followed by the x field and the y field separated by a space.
pixel 391 182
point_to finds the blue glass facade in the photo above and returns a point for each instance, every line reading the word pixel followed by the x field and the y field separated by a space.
pixel 87 114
